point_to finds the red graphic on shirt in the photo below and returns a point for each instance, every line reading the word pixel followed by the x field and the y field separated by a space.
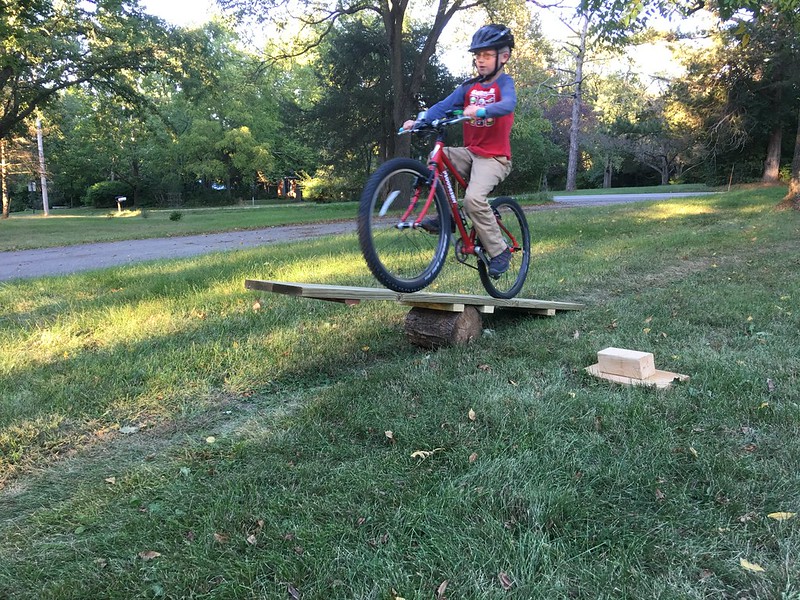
pixel 482 99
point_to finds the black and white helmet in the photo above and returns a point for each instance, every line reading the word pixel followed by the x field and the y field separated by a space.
pixel 492 37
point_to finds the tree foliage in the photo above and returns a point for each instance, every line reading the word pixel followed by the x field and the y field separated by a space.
pixel 47 46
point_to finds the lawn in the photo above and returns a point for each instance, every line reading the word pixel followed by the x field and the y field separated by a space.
pixel 166 434
pixel 79 226
pixel 66 227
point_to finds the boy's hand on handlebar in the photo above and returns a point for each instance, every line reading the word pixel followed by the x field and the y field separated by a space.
pixel 471 111
pixel 409 125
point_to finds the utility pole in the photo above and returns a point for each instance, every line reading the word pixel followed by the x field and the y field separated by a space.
pixel 42 170
pixel 3 179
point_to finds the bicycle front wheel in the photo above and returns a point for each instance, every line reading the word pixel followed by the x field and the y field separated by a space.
pixel 402 255
pixel 514 227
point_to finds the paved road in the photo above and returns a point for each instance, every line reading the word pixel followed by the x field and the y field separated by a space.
pixel 72 259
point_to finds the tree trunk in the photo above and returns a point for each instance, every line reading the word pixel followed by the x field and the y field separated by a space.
pixel 607 173
pixel 406 88
pixel 430 328
pixel 772 164
pixel 792 199
pixel 664 171
pixel 577 101
pixel 393 23
pixel 4 180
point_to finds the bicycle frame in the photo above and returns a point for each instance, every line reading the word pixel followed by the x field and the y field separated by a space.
pixel 441 169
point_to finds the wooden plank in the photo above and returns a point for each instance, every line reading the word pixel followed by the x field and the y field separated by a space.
pixel 353 294
pixel 659 379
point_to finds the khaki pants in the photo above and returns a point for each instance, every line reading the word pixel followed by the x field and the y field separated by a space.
pixel 483 175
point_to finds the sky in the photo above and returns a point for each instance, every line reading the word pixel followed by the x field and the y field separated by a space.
pixel 181 12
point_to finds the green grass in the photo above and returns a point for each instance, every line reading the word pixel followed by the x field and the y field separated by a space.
pixel 80 226
pixel 67 227
pixel 257 456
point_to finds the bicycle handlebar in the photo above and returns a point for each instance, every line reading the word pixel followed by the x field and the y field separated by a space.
pixel 435 125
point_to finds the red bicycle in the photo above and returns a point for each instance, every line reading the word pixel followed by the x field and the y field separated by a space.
pixel 404 197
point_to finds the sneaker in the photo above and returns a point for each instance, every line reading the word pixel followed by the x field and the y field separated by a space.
pixel 431 224
pixel 500 263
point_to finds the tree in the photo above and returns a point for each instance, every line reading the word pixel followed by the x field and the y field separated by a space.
pixel 355 93
pixel 49 46
pixel 17 162
pixel 761 12
pixel 406 77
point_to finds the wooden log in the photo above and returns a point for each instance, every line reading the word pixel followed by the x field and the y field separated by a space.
pixel 435 328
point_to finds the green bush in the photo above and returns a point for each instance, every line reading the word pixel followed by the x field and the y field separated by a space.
pixel 104 194
pixel 325 186
pixel 175 215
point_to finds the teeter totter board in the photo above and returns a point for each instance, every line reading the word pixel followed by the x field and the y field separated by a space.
pixel 435 319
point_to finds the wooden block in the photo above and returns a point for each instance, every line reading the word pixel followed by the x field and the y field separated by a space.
pixel 435 306
pixel 626 363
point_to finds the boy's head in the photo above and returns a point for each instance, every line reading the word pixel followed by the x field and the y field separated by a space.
pixel 491 46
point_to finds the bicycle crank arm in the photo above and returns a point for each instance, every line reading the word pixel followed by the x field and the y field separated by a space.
pixel 481 255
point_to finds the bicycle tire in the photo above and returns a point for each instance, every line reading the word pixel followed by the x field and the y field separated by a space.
pixel 403 258
pixel 512 223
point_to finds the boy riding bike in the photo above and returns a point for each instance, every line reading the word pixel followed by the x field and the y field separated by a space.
pixel 485 160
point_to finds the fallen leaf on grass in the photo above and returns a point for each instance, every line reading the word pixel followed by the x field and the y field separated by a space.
pixel 423 454
pixel 149 555
pixel 256 305
pixel 770 385
pixel 390 436
pixel 252 540
pixel 210 439
pixel 781 516
pixel 221 538
pixel 660 495
pixel 441 590
pixel 129 429
pixel 471 414
pixel 748 517
pixel 111 480
pixel 473 457
pixel 293 593
pixel 505 581
pixel 752 567
pixel 484 368
pixel 693 451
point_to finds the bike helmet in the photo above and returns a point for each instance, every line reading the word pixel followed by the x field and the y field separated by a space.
pixel 492 37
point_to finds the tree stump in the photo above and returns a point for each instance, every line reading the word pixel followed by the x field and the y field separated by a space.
pixel 431 328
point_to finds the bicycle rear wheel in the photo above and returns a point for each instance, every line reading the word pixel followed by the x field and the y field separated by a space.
pixel 516 234
pixel 403 257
